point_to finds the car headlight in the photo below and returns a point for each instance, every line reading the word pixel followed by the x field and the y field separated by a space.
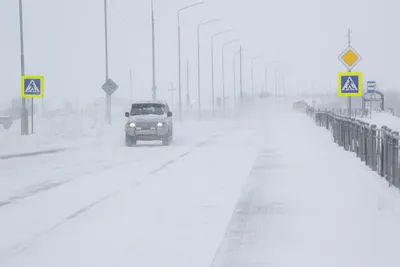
pixel 160 124
pixel 132 125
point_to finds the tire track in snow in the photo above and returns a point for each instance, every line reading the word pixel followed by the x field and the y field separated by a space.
pixel 248 218
pixel 18 249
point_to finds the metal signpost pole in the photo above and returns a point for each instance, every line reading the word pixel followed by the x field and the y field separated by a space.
pixel 32 117
pixel 349 70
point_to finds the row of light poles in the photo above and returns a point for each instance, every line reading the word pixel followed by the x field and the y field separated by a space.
pixel 24 119
pixel 224 45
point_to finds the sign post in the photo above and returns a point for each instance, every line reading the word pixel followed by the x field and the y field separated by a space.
pixel 109 87
pixel 32 87
pixel 349 58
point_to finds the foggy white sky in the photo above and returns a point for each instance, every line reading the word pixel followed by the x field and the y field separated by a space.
pixel 64 41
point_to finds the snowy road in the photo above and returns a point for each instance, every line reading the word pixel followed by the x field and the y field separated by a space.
pixel 270 190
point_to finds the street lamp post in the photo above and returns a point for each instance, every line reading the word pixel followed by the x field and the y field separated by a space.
pixel 24 112
pixel 223 71
pixel 108 97
pixel 234 79
pixel 179 54
pixel 154 87
pixel 252 75
pixel 212 68
pixel 234 74
pixel 198 62
pixel 275 75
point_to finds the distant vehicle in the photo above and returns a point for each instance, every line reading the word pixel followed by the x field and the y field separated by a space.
pixel 300 106
pixel 149 121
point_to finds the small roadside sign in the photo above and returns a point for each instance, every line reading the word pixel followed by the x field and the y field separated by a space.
pixel 109 87
pixel 32 86
pixel 350 84
pixel 371 86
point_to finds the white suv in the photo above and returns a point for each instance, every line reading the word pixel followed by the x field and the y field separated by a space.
pixel 149 121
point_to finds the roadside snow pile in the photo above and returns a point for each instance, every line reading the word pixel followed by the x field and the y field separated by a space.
pixel 56 131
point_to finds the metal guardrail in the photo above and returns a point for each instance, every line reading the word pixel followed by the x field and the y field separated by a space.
pixel 378 148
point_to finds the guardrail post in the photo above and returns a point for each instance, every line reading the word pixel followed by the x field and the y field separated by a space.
pixel 365 137
pixel 373 147
pixel 345 136
pixel 382 151
pixel 362 141
pixel 358 139
pixel 327 120
pixel 389 156
pixel 353 134
pixel 395 162
pixel 335 130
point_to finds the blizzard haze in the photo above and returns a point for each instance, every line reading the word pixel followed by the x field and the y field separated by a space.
pixel 255 184
pixel 64 41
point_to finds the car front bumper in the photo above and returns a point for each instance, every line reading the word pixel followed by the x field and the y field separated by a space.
pixel 155 133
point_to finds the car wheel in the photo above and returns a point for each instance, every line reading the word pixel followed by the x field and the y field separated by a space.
pixel 130 140
pixel 166 140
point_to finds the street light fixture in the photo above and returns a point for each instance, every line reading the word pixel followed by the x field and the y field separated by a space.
pixel 212 67
pixel 223 70
pixel 198 61
pixel 179 53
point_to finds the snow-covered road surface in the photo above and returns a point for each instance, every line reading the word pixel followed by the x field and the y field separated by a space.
pixel 271 189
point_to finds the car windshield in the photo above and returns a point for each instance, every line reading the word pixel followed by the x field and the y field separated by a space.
pixel 147 109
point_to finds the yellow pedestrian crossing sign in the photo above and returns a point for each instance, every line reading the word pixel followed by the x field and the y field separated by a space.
pixel 350 84
pixel 32 86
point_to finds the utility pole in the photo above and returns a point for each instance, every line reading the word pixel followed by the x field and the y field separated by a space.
pixel 24 111
pixel 154 93
pixel 187 86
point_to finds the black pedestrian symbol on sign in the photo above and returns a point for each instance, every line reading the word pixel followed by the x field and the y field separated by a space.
pixel 350 85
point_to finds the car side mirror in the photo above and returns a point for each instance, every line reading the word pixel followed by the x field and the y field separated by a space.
pixel 127 114
pixel 169 114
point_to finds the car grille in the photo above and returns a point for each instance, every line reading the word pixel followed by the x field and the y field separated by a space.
pixel 146 125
